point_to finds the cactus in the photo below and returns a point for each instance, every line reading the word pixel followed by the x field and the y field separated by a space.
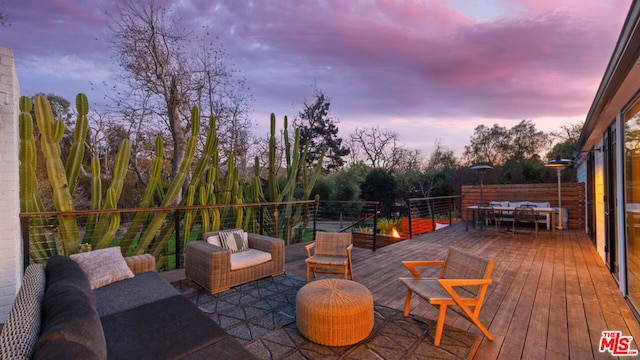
pixel 50 134
pixel 96 198
pixel 281 222
pixel 105 221
pixel 30 200
pixel 74 161
pixel 113 220
pixel 189 215
pixel 174 188
pixel 147 200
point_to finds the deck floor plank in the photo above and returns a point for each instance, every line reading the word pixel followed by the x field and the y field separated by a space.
pixel 551 297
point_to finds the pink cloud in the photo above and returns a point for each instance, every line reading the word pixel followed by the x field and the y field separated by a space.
pixel 448 61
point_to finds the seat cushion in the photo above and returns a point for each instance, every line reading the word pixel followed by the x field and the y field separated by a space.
pixel 327 260
pixel 248 258
pixel 171 328
pixel 144 288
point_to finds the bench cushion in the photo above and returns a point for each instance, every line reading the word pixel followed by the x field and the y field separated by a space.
pixel 171 328
pixel 124 295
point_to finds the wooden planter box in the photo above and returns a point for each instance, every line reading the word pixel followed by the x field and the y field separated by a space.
pixel 365 241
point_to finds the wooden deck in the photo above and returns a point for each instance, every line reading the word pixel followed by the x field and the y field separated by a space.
pixel 551 297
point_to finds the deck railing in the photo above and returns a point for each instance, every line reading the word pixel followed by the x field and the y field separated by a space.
pixel 296 221
pixel 41 232
pixel 427 214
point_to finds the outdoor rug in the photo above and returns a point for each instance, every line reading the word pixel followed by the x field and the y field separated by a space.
pixel 261 315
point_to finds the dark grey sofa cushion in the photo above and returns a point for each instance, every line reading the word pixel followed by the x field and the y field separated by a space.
pixel 142 289
pixel 171 328
pixel 71 327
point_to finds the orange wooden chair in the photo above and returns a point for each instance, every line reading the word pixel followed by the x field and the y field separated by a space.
pixel 463 282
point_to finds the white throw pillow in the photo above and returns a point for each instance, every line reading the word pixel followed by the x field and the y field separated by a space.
pixel 234 240
pixel 214 240
pixel 103 267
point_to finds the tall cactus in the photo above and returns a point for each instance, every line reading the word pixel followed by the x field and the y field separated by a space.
pixel 147 200
pixel 103 228
pixel 30 200
pixel 96 198
pixel 283 220
pixel 50 134
pixel 74 161
pixel 174 189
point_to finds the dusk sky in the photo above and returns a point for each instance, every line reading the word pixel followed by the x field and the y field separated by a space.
pixel 426 69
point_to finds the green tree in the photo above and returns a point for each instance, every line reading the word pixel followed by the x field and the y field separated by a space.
pixel 380 185
pixel 319 130
pixel 487 146
pixel 435 180
pixel 566 137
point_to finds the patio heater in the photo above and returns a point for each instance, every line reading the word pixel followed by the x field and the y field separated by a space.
pixel 481 169
pixel 559 164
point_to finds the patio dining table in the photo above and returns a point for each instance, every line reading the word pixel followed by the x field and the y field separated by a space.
pixel 503 210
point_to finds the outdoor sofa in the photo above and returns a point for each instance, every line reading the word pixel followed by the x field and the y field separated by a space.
pixel 63 311
pixel 228 258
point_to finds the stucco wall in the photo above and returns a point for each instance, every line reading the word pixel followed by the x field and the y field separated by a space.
pixel 10 244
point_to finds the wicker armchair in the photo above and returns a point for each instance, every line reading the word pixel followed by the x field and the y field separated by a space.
pixel 462 284
pixel 332 251
pixel 210 266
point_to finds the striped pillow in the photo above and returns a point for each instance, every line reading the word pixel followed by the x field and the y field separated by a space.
pixel 235 240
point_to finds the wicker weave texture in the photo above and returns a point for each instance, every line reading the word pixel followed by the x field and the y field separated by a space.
pixel 141 263
pixel 209 266
pixel 334 312
pixel 332 243
pixel 21 331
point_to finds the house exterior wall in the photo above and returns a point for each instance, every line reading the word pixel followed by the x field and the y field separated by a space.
pixel 10 245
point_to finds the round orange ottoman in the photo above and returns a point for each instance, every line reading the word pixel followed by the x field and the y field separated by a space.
pixel 334 312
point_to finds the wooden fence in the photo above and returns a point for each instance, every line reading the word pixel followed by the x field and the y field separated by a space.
pixel 573 197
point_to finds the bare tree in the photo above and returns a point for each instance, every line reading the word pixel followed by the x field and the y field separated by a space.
pixel 167 70
pixel 379 146
pixel 4 18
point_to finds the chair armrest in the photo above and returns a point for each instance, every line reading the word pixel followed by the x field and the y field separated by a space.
pixel 272 245
pixel 309 247
pixel 141 263
pixel 463 282
pixel 412 265
pixel 264 243
pixel 207 256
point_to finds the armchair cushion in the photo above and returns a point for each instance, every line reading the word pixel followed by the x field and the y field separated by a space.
pixel 248 258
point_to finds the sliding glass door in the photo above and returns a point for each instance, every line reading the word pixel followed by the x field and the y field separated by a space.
pixel 632 199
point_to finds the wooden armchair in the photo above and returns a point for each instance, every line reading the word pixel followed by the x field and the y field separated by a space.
pixel 332 250
pixel 463 282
